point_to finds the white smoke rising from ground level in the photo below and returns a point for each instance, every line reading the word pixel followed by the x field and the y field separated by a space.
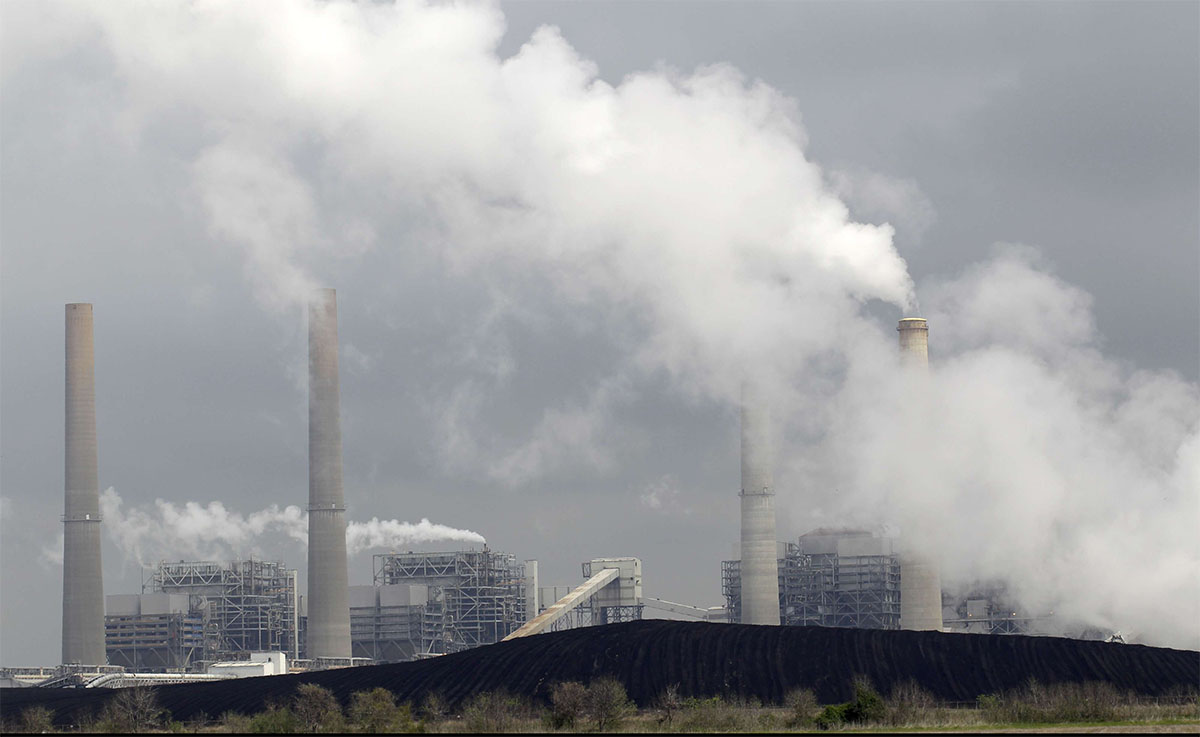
pixel 684 204
pixel 213 532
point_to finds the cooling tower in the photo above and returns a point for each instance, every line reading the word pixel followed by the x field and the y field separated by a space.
pixel 759 566
pixel 83 584
pixel 328 585
pixel 920 580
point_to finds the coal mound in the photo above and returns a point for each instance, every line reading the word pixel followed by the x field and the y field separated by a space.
pixel 729 660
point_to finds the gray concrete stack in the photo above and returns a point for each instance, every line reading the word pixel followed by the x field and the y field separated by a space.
pixel 759 564
pixel 328 584
pixel 83 582
pixel 920 579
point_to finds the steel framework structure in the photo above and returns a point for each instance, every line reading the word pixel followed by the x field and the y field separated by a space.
pixel 828 590
pixel 476 597
pixel 149 642
pixel 248 605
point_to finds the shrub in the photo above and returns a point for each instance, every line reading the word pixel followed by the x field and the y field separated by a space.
pixel 433 707
pixel 275 720
pixel 316 709
pixel 1062 702
pixel 607 703
pixel 36 719
pixel 866 707
pixel 568 701
pixel 493 711
pixel 714 715
pixel 133 709
pixel 801 704
pixel 908 703
pixel 235 723
pixel 376 712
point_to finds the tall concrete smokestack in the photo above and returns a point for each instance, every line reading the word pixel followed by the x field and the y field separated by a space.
pixel 920 579
pixel 328 584
pixel 83 583
pixel 759 566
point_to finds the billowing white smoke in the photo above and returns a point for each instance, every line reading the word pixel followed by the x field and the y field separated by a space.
pixel 684 207
pixel 213 532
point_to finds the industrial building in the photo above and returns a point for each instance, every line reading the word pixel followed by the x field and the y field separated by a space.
pixel 433 603
pixel 830 578
pixel 191 613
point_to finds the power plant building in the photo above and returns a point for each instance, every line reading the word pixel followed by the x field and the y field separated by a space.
pixel 830 578
pixel 201 611
pixel 433 603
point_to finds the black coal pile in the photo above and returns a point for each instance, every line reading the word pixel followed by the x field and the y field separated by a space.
pixel 703 659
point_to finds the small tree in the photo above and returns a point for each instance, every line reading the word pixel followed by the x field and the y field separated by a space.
pixel 376 711
pixel 37 719
pixel 316 709
pixel 133 709
pixel 670 702
pixel 607 703
pixel 567 703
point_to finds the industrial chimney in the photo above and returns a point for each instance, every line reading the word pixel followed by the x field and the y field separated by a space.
pixel 920 580
pixel 83 584
pixel 328 585
pixel 759 565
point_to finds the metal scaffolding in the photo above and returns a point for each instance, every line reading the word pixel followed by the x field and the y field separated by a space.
pixel 475 597
pixel 150 642
pixel 248 605
pixel 829 589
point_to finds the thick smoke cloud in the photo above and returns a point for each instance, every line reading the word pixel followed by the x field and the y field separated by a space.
pixel 682 207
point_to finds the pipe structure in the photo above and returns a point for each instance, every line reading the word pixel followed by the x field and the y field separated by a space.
pixel 83 582
pixel 759 564
pixel 328 581
pixel 920 578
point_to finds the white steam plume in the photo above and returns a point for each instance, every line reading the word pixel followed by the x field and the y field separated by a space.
pixel 392 533
pixel 687 202
pixel 213 531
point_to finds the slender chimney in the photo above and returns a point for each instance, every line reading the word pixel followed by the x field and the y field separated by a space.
pixel 83 584
pixel 328 585
pixel 759 565
pixel 920 579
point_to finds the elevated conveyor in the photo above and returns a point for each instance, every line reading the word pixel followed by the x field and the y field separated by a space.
pixel 559 609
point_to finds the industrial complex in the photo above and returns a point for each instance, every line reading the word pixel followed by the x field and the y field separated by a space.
pixel 222 619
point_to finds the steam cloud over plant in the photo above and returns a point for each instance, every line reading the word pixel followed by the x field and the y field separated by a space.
pixel 681 207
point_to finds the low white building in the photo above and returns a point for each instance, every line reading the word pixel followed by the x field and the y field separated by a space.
pixel 259 664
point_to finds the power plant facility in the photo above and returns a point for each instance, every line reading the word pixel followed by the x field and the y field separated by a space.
pixel 830 578
pixel 193 613
pixel 220 619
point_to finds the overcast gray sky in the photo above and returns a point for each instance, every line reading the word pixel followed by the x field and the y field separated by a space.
pixel 531 349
